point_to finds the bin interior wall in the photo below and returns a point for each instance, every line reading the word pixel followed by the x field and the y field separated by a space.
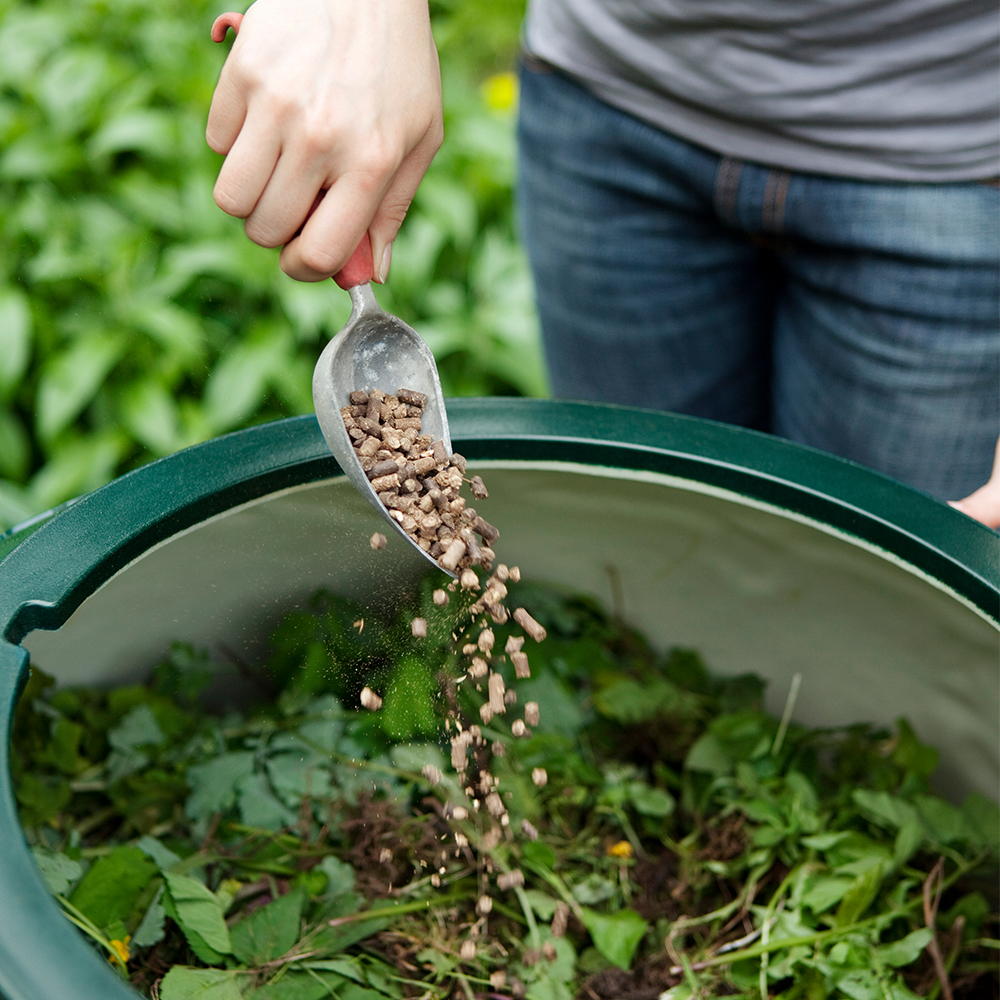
pixel 752 589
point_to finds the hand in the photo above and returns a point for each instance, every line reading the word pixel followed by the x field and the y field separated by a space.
pixel 984 504
pixel 326 95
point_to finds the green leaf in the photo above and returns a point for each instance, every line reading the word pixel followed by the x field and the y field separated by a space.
pixel 708 754
pixel 906 950
pixel 15 337
pixel 151 927
pixel 269 932
pixel 860 896
pixel 41 798
pixel 650 801
pixel 885 809
pixel 983 816
pixel 138 728
pixel 184 983
pixel 615 935
pixel 824 892
pixel 164 858
pixel 239 382
pixel 213 784
pixel 150 414
pixel 141 130
pixel 71 380
pixel 198 912
pixel 339 873
pixel 299 986
pixel 112 886
pixel 59 871
pixel 911 755
pixel 15 448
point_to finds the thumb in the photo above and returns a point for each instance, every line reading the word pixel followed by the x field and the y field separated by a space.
pixel 983 505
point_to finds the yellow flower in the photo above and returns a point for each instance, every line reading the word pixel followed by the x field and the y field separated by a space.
pixel 120 948
pixel 623 850
pixel 500 92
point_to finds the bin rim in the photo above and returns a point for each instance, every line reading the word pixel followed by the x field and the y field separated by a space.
pixel 58 563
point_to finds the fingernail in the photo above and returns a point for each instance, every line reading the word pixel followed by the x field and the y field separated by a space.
pixel 383 269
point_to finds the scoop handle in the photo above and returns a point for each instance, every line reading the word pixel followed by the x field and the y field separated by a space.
pixel 360 268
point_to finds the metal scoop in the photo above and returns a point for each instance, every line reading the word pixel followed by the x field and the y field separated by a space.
pixel 374 350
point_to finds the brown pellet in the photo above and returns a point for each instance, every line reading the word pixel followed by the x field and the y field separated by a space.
pixel 531 713
pixel 536 631
pixel 390 482
pixel 419 628
pixel 483 905
pixel 494 805
pixel 378 541
pixel 412 397
pixel 468 580
pixel 521 668
pixel 539 776
pixel 519 729
pixel 370 700
pixel 440 598
pixel 386 468
pixel 549 952
pixel 486 640
pixel 514 644
pixel 528 830
pixel 511 879
pixel 496 689
pixel 486 531
pixel 452 555
pixel 359 397
pixel 560 919
pixel 478 488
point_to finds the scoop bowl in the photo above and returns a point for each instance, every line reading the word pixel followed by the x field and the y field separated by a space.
pixel 374 350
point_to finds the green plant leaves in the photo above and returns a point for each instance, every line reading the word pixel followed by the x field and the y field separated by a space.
pixel 182 983
pixel 270 931
pixel 615 935
pixel 71 380
pixel 15 337
pixel 199 914
pixel 112 886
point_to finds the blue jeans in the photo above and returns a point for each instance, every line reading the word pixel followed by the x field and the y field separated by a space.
pixel 858 317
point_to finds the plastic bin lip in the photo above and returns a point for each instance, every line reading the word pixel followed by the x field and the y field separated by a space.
pixel 45 578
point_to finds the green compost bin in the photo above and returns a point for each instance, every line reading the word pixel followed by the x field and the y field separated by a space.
pixel 766 556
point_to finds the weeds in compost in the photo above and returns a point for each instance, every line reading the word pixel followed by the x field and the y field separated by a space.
pixel 665 837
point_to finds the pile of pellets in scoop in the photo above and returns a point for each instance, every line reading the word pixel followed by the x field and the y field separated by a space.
pixel 417 480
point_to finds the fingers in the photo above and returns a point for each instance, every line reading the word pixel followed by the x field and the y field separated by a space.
pixel 330 234
pixel 247 170
pixel 326 95
pixel 394 206
pixel 984 504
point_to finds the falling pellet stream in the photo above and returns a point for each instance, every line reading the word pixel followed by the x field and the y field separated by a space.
pixel 419 483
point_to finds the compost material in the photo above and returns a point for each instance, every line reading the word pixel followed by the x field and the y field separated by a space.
pixel 664 835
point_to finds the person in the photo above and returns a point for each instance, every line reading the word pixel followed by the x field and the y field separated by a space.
pixel 782 217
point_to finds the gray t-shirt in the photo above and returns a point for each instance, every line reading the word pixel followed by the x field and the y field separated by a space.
pixel 898 90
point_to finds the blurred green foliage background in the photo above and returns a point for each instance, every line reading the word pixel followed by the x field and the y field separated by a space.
pixel 136 318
